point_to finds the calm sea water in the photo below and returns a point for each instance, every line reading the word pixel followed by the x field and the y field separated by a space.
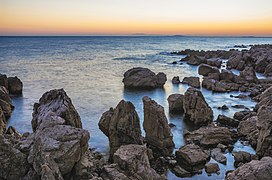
pixel 91 69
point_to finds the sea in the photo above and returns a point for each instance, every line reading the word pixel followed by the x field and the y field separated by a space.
pixel 91 69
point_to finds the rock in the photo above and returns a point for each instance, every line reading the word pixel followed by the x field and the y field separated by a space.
pixel 268 70
pixel 5 102
pixel 241 114
pixel 248 129
pixel 212 168
pixel 191 157
pixel 4 80
pixel 175 102
pixel 217 155
pixel 254 170
pixel 249 75
pixel 14 163
pixel 226 121
pixel 241 157
pixel 158 132
pixel 264 125
pixel 222 147
pixel 171 125
pixel 55 103
pixel 191 81
pixel 143 78
pixel 239 106
pixel 180 172
pixel 240 46
pixel 174 62
pixel 175 80
pixel 210 136
pixel 214 62
pixel 196 108
pixel 133 160
pixel 15 85
pixel 121 125
pixel 226 75
pixel 62 143
pixel 234 60
pixel 224 107
pixel 205 69
pixel 13 132
pixel 2 122
pixel 241 96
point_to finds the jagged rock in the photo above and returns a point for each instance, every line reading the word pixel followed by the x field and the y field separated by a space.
pixel 249 75
pixel 241 157
pixel 196 109
pixel 212 168
pixel 264 99
pixel 4 80
pixel 13 132
pixel 62 143
pixel 210 136
pixel 224 107
pixel 133 160
pixel 121 125
pixel 227 121
pixel 180 172
pixel 240 115
pixel 226 75
pixel 2 122
pixel 14 163
pixel 217 155
pixel 158 132
pixel 55 103
pixel 214 62
pixel 5 102
pixel 191 81
pixel 248 129
pixel 191 157
pixel 175 102
pixel 15 85
pixel 143 78
pixel 264 125
pixel 205 69
pixel 175 80
pixel 268 70
pixel 254 170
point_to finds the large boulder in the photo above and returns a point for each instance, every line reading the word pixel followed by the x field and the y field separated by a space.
pixel 254 170
pixel 158 132
pixel 55 103
pixel 143 78
pixel 133 161
pixel 210 136
pixel 249 75
pixel 15 85
pixel 175 102
pixel 264 125
pixel 191 157
pixel 121 125
pixel 227 121
pixel 14 163
pixel 241 157
pixel 248 129
pixel 205 69
pixel 196 109
pixel 191 81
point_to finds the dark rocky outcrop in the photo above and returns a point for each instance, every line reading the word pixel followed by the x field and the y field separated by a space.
pixel 143 78
pixel 175 102
pixel 5 102
pixel 15 85
pixel 205 69
pixel 248 129
pixel 121 125
pixel 191 81
pixel 191 157
pixel 158 132
pixel 55 103
pixel 175 80
pixel 254 170
pixel 196 108
pixel 241 157
pixel 4 80
pixel 210 136
pixel 227 121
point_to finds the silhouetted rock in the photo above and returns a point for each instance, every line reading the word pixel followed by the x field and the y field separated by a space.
pixel 254 170
pixel 121 125
pixel 191 81
pixel 15 85
pixel 196 108
pixel 55 103
pixel 143 78
pixel 175 102
pixel 158 132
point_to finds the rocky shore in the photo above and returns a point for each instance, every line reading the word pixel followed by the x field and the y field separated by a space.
pixel 58 146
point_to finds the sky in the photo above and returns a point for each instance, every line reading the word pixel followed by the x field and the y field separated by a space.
pixel 124 17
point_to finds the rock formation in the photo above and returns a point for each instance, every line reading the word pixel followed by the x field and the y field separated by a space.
pixel 175 102
pixel 191 81
pixel 15 85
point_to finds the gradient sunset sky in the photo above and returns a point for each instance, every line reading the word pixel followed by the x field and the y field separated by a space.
pixel 122 17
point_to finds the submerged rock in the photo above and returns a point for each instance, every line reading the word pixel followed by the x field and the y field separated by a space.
pixel 254 170
pixel 55 103
pixel 196 109
pixel 158 132
pixel 144 78
pixel 191 81
pixel 175 102
pixel 191 157
pixel 121 125
pixel 15 85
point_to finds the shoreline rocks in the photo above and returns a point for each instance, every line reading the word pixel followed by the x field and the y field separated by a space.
pixel 191 81
pixel 175 102
pixel 143 78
